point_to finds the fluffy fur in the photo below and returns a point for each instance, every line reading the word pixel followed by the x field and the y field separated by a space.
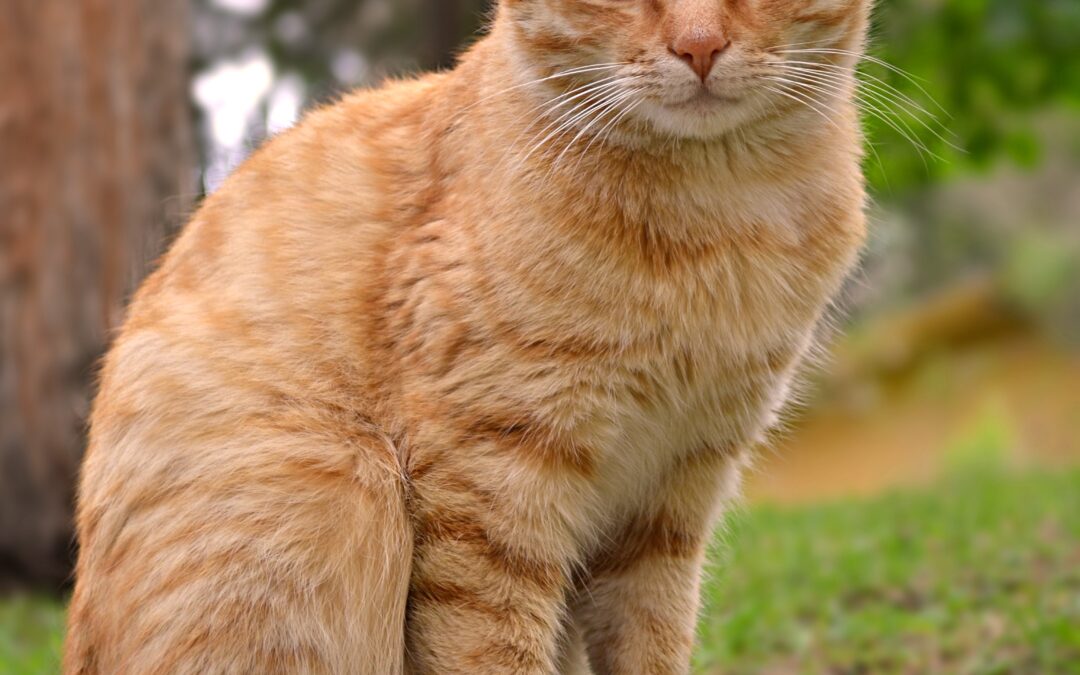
pixel 437 383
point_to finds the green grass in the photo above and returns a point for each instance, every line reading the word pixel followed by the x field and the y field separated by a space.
pixel 980 574
pixel 31 632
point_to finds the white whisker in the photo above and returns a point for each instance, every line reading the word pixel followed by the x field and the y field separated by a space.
pixel 608 128
pixel 568 120
pixel 839 91
pixel 800 44
pixel 592 88
pixel 784 90
pixel 861 77
pixel 582 110
pixel 890 99
pixel 872 59
pixel 540 111
pixel 798 98
pixel 562 74
pixel 606 108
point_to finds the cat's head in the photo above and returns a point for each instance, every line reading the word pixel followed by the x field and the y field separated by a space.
pixel 689 68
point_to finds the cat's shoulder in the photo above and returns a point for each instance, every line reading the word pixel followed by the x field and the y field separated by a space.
pixel 366 125
pixel 306 217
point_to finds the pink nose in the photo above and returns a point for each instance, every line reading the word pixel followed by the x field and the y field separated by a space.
pixel 699 49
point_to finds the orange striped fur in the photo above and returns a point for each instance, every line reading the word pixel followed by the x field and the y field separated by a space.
pixel 428 387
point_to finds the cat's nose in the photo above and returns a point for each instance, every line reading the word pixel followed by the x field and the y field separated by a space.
pixel 699 49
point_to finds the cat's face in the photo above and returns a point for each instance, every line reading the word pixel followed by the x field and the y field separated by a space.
pixel 690 68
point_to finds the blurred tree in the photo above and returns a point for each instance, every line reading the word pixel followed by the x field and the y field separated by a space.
pixel 96 167
pixel 313 38
pixel 309 37
pixel 447 24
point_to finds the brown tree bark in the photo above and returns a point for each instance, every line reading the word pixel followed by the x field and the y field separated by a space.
pixel 96 169
pixel 444 28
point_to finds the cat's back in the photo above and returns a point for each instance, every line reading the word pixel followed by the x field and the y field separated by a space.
pixel 225 435
pixel 267 277
pixel 256 312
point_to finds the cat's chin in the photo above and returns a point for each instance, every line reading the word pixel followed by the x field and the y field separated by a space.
pixel 700 118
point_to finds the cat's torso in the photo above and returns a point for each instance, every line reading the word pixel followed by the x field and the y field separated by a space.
pixel 620 330
pixel 637 331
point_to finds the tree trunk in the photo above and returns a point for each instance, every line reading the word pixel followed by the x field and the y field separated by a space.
pixel 96 170
pixel 444 32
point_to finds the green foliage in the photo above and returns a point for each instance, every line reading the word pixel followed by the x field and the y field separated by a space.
pixel 977 576
pixel 990 64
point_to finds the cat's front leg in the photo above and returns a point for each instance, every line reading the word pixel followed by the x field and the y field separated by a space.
pixel 639 608
pixel 490 579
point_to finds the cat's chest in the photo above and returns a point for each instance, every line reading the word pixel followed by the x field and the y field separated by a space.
pixel 641 420
pixel 686 399
pixel 635 356
pixel 709 361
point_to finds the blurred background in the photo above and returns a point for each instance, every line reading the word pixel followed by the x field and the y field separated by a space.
pixel 921 510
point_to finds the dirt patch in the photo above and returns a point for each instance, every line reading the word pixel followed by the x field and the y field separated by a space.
pixel 887 435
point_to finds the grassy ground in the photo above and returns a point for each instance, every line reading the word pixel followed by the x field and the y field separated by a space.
pixel 979 575
pixel 30 636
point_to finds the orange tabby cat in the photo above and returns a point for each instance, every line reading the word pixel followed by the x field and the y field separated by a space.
pixel 455 376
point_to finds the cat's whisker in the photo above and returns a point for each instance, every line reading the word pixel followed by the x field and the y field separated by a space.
pixel 811 103
pixel 864 90
pixel 836 51
pixel 593 112
pixel 892 100
pixel 875 60
pixel 608 107
pixel 610 127
pixel 808 102
pixel 834 90
pixel 877 82
pixel 578 113
pixel 580 70
pixel 566 121
pixel 573 94
pixel 777 48
pixel 847 87
pixel 874 89
pixel 569 117
pixel 586 91
pixel 595 108
pixel 549 107
pixel 540 111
